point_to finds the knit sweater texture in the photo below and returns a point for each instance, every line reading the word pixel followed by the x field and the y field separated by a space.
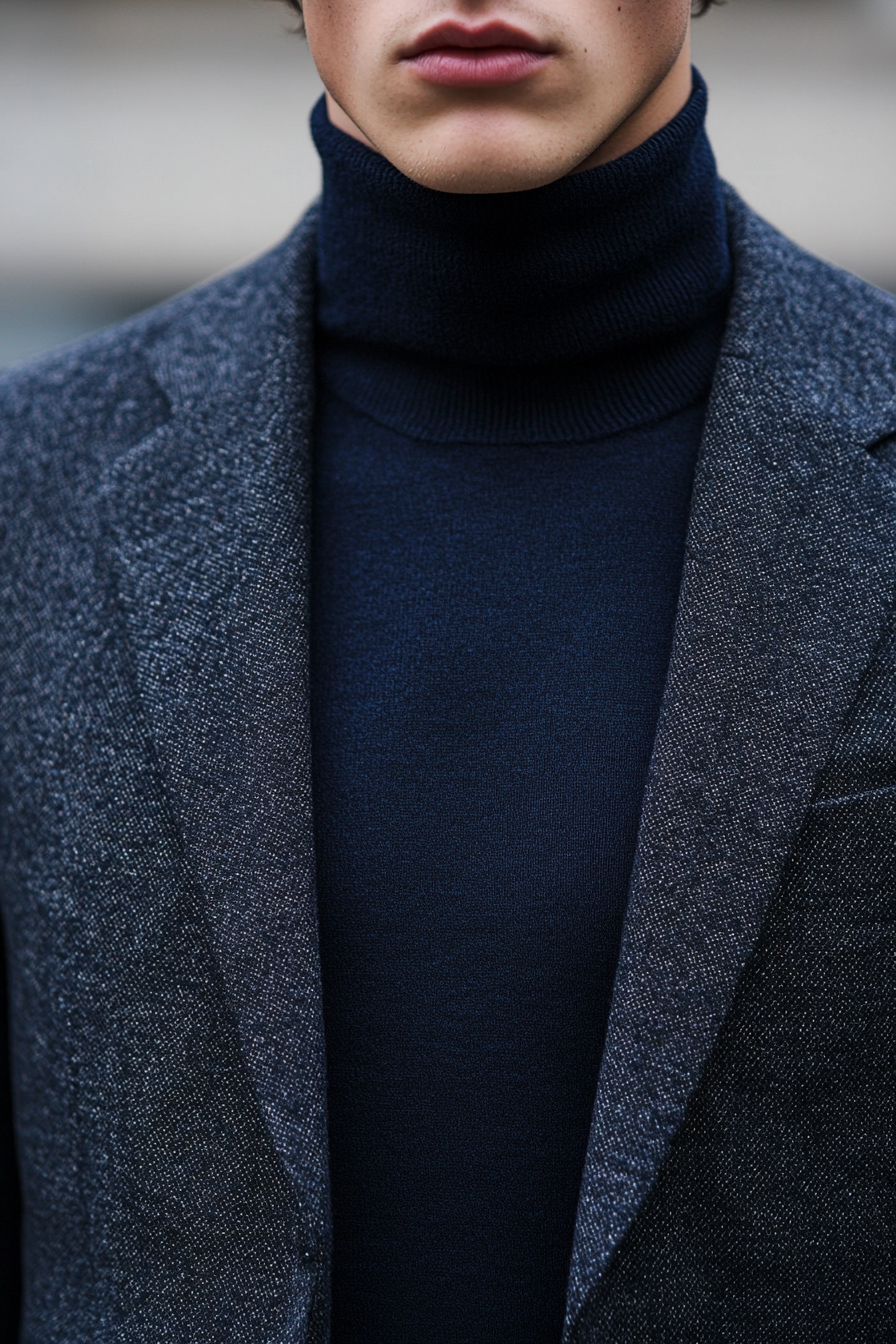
pixel 512 393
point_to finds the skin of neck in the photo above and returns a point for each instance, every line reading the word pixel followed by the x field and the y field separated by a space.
pixel 482 96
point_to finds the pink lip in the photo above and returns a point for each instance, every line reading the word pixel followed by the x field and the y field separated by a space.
pixel 492 54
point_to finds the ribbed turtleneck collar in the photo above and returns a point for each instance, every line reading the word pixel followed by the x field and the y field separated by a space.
pixel 607 288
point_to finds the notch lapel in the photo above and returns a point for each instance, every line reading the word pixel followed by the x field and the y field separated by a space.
pixel 789 578
pixel 210 520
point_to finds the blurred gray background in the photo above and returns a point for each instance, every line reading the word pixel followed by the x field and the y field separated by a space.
pixel 148 144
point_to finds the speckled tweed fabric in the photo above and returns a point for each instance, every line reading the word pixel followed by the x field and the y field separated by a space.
pixel 157 865
pixel 773 1217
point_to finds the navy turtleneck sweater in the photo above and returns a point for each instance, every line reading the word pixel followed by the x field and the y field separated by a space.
pixel 512 391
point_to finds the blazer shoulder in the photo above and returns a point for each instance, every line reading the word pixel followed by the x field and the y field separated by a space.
pixel 95 395
pixel 80 404
pixel 828 334
pixel 89 401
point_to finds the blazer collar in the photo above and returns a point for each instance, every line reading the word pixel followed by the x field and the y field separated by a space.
pixel 789 578
pixel 209 521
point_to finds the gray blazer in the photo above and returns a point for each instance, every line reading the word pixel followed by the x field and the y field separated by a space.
pixel 157 868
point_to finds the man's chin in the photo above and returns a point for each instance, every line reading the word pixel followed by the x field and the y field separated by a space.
pixel 495 160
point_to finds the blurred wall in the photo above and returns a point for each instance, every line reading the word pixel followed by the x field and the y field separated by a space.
pixel 803 120
pixel 146 144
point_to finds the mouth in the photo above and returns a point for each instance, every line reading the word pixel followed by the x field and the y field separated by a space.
pixel 482 56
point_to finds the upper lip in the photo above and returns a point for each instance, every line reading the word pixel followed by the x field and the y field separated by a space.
pixel 451 33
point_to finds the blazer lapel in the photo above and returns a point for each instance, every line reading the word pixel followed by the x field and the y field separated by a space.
pixel 789 578
pixel 210 525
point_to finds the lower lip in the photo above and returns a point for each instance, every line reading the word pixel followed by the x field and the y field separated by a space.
pixel 478 67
